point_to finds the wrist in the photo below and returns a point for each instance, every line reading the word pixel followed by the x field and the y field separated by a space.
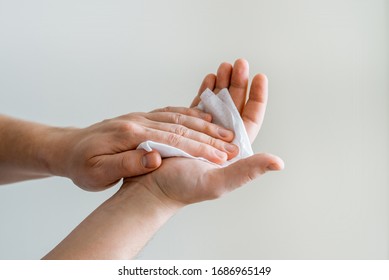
pixel 145 193
pixel 117 229
pixel 55 150
pixel 138 214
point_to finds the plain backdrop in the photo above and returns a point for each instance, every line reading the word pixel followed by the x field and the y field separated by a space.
pixel 74 63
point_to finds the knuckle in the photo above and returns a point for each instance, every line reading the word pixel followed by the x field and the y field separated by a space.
pixel 125 126
pixel 166 109
pixel 174 139
pixel 138 132
pixel 188 111
pixel 126 164
pixel 177 118
pixel 204 149
pixel 128 135
pixel 130 128
pixel 212 141
pixel 181 130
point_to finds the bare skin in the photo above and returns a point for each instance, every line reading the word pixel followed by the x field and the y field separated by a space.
pixel 121 226
pixel 98 156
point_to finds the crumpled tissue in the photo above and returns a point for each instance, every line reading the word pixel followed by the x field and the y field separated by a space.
pixel 224 113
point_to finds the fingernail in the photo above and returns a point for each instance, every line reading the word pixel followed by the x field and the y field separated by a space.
pixel 224 133
pixel 221 154
pixel 148 161
pixel 231 148
pixel 273 167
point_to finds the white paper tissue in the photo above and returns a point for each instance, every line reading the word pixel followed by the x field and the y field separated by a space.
pixel 224 113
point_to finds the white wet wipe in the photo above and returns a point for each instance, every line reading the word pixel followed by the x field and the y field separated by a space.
pixel 224 113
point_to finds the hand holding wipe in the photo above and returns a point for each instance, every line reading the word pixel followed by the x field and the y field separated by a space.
pixel 224 113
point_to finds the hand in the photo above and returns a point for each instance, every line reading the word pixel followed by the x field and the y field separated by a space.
pixel 145 203
pixel 182 181
pixel 235 79
pixel 98 156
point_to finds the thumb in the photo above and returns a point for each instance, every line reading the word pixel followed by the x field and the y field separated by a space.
pixel 246 170
pixel 132 163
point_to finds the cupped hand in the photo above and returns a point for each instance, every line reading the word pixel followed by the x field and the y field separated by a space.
pixel 236 79
pixel 98 156
pixel 184 181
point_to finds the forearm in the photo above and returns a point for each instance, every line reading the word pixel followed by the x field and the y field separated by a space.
pixel 119 228
pixel 27 150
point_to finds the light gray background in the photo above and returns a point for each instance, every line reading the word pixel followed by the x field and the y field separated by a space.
pixel 73 63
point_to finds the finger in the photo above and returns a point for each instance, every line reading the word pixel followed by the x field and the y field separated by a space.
pixel 230 149
pixel 194 112
pixel 129 164
pixel 164 121
pixel 239 83
pixel 190 146
pixel 254 111
pixel 245 170
pixel 223 76
pixel 208 82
